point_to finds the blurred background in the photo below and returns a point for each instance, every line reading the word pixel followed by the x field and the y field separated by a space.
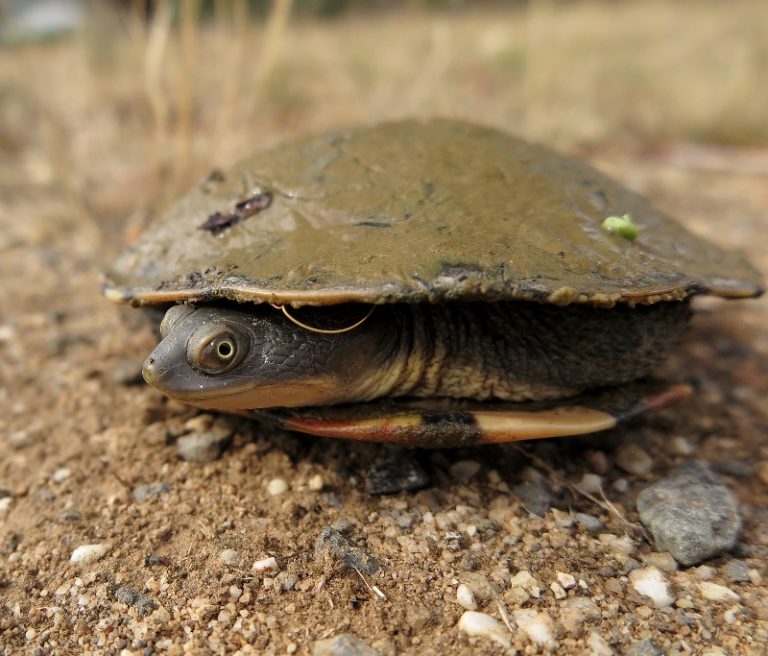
pixel 117 106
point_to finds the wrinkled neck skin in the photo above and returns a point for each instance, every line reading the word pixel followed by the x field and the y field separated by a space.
pixel 506 351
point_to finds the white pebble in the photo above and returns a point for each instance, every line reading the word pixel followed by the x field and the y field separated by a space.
pixel 598 645
pixel 623 544
pixel 480 624
pixel 537 626
pixel 650 582
pixel 61 474
pixel 234 592
pixel 465 597
pixel 316 483
pixel 88 553
pixel 715 592
pixel 557 590
pixel 30 634
pixel 265 564
pixel 566 580
pixel 524 580
pixel 277 486
pixel 229 557
pixel 5 503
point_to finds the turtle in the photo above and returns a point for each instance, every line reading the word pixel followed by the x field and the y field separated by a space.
pixel 426 282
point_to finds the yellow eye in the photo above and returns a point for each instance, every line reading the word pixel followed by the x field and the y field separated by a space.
pixel 214 352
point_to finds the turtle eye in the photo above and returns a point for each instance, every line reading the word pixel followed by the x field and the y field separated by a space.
pixel 215 351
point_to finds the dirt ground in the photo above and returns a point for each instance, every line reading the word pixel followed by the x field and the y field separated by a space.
pixel 93 145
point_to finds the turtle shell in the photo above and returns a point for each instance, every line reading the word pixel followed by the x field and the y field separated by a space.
pixel 414 211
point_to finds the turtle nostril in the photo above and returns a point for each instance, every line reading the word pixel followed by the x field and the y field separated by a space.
pixel 148 370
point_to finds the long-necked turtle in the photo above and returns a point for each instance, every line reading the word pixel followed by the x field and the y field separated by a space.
pixel 431 283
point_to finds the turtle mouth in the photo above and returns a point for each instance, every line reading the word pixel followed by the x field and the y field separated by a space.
pixel 246 395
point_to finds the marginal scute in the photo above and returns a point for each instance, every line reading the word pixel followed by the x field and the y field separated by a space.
pixel 421 211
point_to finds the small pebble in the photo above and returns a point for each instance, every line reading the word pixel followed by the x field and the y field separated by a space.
pixel 5 503
pixel 737 571
pixel 88 553
pixel 61 474
pixel 618 544
pixel 598 646
pixel 703 572
pixel 650 582
pixel 566 580
pixel 558 590
pixel 621 485
pixel 143 603
pixel 400 473
pixel 230 557
pixel 537 626
pixel 633 459
pixel 691 514
pixel 277 486
pixel 465 597
pixel 344 644
pixel 578 611
pixel 265 565
pixel 147 490
pixel 589 522
pixel 205 446
pixel 316 483
pixel 480 624
pixel 661 559
pixel 680 446
pixel 482 589
pixel 523 579
pixel 536 497
pixel 591 484
pixel 715 592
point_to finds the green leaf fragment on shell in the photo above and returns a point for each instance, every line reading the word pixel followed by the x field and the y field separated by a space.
pixel 622 225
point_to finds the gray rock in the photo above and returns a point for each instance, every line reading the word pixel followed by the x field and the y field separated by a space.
pixel 204 447
pixel 536 497
pixel 147 490
pixel 332 543
pixel 397 474
pixel 344 644
pixel 644 648
pixel 691 514
pixel 737 571
pixel 140 601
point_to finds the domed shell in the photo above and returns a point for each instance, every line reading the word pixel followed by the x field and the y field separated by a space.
pixel 415 211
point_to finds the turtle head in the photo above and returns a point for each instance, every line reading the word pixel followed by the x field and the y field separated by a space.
pixel 228 359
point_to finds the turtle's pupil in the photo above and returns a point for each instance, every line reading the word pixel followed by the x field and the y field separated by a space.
pixel 225 350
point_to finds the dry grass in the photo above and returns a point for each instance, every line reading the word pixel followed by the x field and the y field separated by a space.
pixel 144 109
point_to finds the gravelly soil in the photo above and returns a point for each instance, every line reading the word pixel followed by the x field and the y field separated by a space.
pixel 79 433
